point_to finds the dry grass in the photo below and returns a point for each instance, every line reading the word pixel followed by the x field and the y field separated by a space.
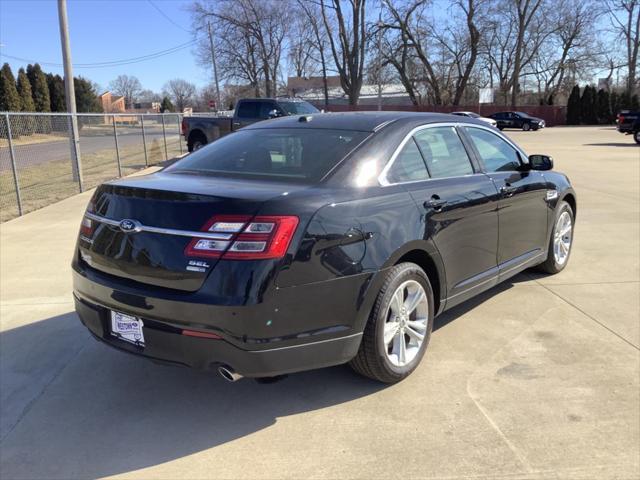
pixel 49 182
pixel 33 139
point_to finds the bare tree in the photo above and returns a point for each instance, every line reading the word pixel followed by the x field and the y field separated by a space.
pixel 181 92
pixel 312 16
pixel 127 86
pixel 570 49
pixel 250 34
pixel 348 41
pixel 625 19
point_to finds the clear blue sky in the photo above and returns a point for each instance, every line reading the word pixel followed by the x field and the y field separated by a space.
pixel 102 31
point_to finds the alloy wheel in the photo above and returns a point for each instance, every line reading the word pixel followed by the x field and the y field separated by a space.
pixel 406 323
pixel 562 237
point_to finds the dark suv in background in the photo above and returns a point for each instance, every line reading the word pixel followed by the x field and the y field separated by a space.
pixel 519 120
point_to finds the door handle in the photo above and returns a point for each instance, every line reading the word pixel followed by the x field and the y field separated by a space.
pixel 435 202
pixel 507 190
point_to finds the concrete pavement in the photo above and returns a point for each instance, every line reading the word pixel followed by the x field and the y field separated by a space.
pixel 537 378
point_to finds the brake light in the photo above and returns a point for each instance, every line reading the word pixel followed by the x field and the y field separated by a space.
pixel 261 237
pixel 183 126
pixel 87 225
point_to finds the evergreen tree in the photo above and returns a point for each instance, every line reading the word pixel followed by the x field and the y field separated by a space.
pixel 56 93
pixel 573 107
pixel 24 90
pixel 39 88
pixel 635 103
pixel 625 100
pixel 588 113
pixel 166 105
pixel 86 96
pixel 604 108
pixel 9 98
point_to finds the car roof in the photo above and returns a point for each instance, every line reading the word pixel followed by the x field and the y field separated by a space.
pixel 362 121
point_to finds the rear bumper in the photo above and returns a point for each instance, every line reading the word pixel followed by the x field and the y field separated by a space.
pixel 166 344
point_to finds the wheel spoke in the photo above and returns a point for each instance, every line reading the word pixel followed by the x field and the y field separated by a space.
pixel 397 301
pixel 416 335
pixel 390 331
pixel 414 300
pixel 419 325
pixel 402 349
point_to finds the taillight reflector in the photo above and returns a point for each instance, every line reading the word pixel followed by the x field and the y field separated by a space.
pixel 196 333
pixel 261 237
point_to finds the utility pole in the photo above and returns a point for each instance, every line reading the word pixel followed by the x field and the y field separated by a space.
pixel 215 68
pixel 69 91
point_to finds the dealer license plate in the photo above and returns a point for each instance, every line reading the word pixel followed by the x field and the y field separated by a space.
pixel 127 328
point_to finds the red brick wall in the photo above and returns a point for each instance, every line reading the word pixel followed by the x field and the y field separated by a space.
pixel 551 114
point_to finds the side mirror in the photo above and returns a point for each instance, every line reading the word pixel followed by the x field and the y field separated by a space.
pixel 274 113
pixel 540 162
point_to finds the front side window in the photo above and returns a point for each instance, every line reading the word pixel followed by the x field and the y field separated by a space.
pixel 408 165
pixel 443 152
pixel 249 110
pixel 297 154
pixel 496 154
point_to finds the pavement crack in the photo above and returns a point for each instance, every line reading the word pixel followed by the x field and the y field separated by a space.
pixel 589 316
pixel 35 399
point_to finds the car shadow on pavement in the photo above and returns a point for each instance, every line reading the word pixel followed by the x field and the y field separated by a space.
pixel 75 408
pixel 103 413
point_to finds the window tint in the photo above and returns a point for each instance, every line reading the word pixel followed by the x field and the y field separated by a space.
pixel 408 165
pixel 297 108
pixel 266 107
pixel 279 154
pixel 444 152
pixel 249 109
pixel 497 155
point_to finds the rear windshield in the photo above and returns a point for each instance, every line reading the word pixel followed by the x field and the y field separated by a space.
pixel 297 108
pixel 298 154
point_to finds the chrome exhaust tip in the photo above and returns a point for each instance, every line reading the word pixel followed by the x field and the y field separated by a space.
pixel 228 374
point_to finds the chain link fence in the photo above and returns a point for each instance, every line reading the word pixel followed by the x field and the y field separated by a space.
pixel 42 161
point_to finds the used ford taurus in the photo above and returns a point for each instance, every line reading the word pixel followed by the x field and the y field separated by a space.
pixel 316 240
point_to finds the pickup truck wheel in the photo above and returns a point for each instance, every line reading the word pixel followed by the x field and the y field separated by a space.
pixel 399 327
pixel 526 127
pixel 196 142
pixel 636 136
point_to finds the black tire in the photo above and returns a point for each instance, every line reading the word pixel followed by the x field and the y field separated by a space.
pixel 372 360
pixel 526 127
pixel 636 136
pixel 500 127
pixel 196 142
pixel 550 265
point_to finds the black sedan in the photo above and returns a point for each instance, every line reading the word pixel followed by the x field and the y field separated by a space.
pixel 519 120
pixel 311 241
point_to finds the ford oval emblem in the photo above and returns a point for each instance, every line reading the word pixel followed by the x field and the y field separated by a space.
pixel 129 226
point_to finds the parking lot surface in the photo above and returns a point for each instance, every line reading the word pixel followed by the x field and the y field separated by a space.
pixel 537 378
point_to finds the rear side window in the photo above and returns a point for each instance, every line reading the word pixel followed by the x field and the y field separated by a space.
pixel 249 110
pixel 298 154
pixel 408 165
pixel 496 154
pixel 443 152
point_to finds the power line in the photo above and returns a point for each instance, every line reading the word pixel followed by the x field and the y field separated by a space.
pixel 167 17
pixel 113 63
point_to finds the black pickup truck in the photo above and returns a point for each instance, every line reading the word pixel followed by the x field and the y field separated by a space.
pixel 200 130
pixel 629 123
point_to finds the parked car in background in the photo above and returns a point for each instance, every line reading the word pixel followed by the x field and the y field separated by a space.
pixel 629 123
pixel 317 240
pixel 488 120
pixel 200 130
pixel 519 120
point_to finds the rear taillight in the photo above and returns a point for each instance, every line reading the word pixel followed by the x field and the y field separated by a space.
pixel 87 225
pixel 183 126
pixel 250 238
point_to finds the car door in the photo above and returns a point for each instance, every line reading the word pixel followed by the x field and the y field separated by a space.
pixel 459 205
pixel 248 113
pixel 522 208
